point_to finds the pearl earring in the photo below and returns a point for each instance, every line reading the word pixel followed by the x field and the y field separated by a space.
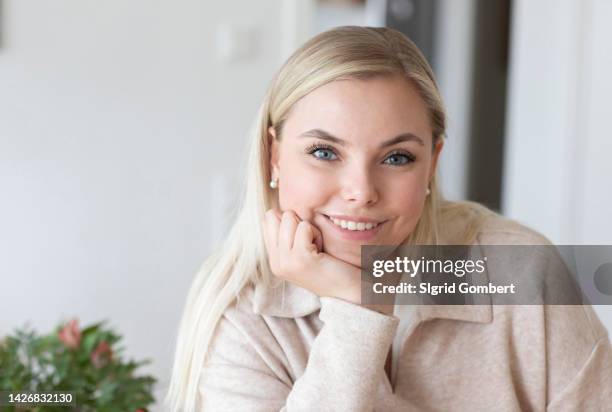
pixel 273 183
pixel 428 191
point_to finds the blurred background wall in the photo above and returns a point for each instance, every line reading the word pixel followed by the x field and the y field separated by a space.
pixel 123 127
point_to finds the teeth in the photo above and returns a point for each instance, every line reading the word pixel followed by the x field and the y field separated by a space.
pixel 346 224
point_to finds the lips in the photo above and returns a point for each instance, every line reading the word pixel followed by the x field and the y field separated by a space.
pixel 353 227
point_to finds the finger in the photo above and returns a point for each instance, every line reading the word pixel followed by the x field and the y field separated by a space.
pixel 286 234
pixel 305 237
pixel 277 213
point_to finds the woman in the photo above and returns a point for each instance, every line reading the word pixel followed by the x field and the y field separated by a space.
pixel 345 155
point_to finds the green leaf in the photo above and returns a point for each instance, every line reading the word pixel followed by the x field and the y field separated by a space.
pixel 93 328
pixel 89 343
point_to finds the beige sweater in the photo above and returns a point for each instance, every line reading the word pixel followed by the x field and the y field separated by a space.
pixel 286 349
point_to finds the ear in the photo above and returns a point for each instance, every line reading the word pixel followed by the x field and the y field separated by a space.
pixel 435 156
pixel 274 153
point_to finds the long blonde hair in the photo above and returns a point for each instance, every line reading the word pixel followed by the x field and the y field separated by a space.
pixel 349 52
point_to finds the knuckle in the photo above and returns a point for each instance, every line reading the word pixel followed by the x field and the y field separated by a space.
pixel 269 215
pixel 289 215
pixel 304 226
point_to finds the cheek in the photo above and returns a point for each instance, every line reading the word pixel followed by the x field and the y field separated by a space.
pixel 303 190
pixel 407 204
pixel 405 200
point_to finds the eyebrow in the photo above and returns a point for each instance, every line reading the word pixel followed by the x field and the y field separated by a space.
pixel 323 135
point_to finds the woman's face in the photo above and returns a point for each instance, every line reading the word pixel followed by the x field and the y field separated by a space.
pixel 355 159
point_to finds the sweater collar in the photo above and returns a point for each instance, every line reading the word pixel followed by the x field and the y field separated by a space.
pixel 286 300
pixel 291 301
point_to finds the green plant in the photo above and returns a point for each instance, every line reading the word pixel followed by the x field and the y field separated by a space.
pixel 86 362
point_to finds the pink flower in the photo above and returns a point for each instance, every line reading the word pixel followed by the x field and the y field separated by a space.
pixel 70 334
pixel 102 354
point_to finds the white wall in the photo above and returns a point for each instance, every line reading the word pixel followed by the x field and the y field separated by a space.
pixel 116 122
pixel 593 197
pixel 557 167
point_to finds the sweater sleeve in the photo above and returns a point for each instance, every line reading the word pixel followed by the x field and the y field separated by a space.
pixel 343 372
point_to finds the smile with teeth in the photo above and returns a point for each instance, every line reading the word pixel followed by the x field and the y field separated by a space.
pixel 349 225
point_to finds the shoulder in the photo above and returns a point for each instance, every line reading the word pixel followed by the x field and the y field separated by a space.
pixel 570 332
pixel 469 222
pixel 497 229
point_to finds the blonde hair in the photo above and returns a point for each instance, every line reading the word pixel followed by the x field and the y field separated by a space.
pixel 349 52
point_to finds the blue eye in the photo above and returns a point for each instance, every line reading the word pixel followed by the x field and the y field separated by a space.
pixel 322 152
pixel 398 159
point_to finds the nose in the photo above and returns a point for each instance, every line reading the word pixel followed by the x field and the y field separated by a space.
pixel 359 187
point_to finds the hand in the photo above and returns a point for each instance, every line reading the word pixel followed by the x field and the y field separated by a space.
pixel 295 253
